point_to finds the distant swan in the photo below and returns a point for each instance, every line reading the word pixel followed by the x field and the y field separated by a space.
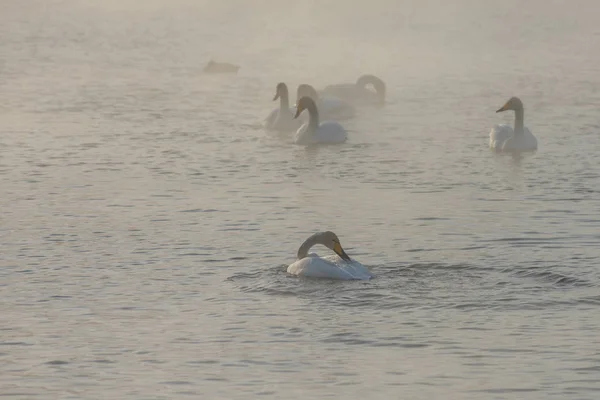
pixel 282 118
pixel 214 67
pixel 330 108
pixel 332 267
pixel 504 138
pixel 313 132
pixel 358 93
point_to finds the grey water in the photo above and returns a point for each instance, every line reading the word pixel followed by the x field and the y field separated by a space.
pixel 147 219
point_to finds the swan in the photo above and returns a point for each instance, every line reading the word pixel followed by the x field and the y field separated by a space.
pixel 313 132
pixel 503 138
pixel 331 108
pixel 282 118
pixel 339 266
pixel 358 93
pixel 214 67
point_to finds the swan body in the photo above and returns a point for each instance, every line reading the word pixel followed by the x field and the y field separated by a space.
pixel 330 108
pixel 313 132
pixel 339 266
pixel 282 119
pixel 358 93
pixel 214 67
pixel 504 138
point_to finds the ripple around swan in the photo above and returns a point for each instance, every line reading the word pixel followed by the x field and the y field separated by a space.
pixel 424 286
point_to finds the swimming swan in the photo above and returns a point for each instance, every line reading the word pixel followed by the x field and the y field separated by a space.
pixel 330 108
pixel 503 138
pixel 313 132
pixel 214 67
pixel 339 266
pixel 282 118
pixel 358 93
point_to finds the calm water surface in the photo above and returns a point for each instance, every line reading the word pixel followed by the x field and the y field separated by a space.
pixel 147 218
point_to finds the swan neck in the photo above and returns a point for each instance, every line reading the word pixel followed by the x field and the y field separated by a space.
pixel 313 117
pixel 519 123
pixel 284 101
pixel 305 247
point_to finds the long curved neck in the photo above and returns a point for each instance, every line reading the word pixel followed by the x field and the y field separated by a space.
pixel 519 124
pixel 377 83
pixel 313 116
pixel 305 247
pixel 284 100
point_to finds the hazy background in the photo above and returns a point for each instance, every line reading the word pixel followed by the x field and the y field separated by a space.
pixel 147 218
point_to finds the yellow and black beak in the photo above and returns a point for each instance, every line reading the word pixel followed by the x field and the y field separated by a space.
pixel 504 108
pixel 276 96
pixel 337 247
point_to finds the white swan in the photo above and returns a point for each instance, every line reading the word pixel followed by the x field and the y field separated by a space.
pixel 313 132
pixel 330 108
pixel 282 118
pixel 503 138
pixel 339 266
pixel 358 93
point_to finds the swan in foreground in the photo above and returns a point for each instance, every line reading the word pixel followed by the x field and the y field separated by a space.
pixel 358 93
pixel 331 108
pixel 313 132
pixel 282 119
pixel 214 67
pixel 339 266
pixel 503 138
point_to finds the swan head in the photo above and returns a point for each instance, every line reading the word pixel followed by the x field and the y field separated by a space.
pixel 327 239
pixel 280 91
pixel 514 103
pixel 305 90
pixel 305 103
pixel 377 83
pixel 330 240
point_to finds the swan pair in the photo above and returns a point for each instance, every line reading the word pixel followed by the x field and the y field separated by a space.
pixel 504 138
pixel 334 103
pixel 339 266
pixel 307 133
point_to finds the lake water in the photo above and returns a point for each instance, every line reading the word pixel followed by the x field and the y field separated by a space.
pixel 147 219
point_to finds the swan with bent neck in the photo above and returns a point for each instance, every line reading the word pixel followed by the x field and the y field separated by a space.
pixel 503 138
pixel 358 93
pixel 282 119
pixel 313 132
pixel 330 108
pixel 339 266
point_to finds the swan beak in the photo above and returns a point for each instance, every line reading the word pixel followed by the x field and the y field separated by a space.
pixel 340 252
pixel 504 108
pixel 276 96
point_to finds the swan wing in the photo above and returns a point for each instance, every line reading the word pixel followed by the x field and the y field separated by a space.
pixel 282 120
pixel 520 143
pixel 331 267
pixel 303 136
pixel 352 93
pixel 331 132
pixel 499 134
pixel 342 90
pixel 270 120
pixel 335 108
